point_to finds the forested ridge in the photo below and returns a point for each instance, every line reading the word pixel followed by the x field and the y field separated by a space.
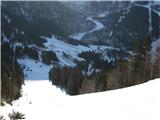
pixel 117 74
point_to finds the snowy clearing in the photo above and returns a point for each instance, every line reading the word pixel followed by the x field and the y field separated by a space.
pixel 66 53
pixel 42 101
pixel 34 70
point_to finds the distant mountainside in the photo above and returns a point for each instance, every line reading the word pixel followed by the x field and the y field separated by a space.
pixel 123 22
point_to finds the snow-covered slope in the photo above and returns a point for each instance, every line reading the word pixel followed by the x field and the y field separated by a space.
pixel 41 101
pixel 34 70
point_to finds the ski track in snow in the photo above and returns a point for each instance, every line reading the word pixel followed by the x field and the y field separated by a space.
pixel 98 26
pixel 42 101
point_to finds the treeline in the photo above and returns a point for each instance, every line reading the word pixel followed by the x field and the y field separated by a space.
pixel 118 74
pixel 67 78
pixel 73 79
pixel 96 59
pixel 48 57
pixel 12 76
pixel 139 69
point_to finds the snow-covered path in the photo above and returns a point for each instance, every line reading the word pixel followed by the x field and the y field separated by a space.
pixel 42 101
pixel 98 26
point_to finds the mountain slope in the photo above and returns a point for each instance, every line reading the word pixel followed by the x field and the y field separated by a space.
pixel 41 101
pixel 45 15
pixel 119 21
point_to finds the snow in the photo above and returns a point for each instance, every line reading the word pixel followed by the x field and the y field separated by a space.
pixel 5 39
pixel 22 32
pixel 158 12
pixel 90 69
pixel 98 26
pixel 150 16
pixel 120 19
pixel 42 101
pixel 65 61
pixel 61 48
pixel 8 19
pixel 106 58
pixel 14 53
pixel 150 10
pixel 34 70
pixel 37 95
pixel 149 7
pixel 18 44
pixel 103 14
pixel 110 34
pixel 78 36
pixel 57 45
pixel 67 53
pixel 40 55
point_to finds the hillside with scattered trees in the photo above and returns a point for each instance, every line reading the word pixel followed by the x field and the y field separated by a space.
pixel 108 76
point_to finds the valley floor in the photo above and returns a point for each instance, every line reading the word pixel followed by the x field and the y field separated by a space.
pixel 42 101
